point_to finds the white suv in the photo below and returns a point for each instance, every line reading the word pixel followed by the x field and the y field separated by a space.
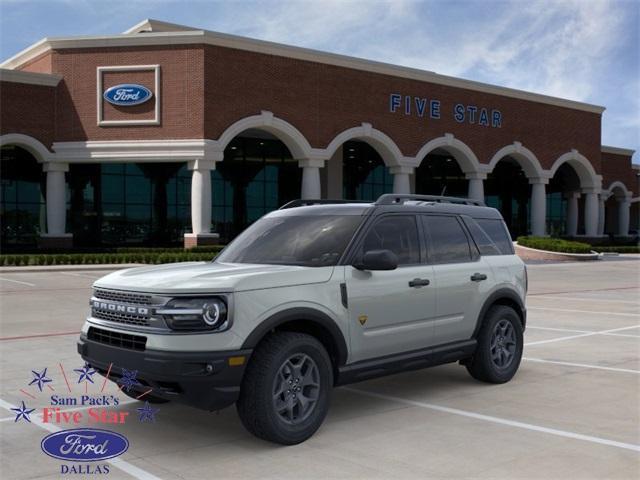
pixel 316 294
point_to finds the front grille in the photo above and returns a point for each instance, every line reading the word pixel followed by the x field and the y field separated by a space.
pixel 128 319
pixel 117 339
pixel 124 297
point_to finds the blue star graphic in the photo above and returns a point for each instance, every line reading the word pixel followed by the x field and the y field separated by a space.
pixel 128 379
pixel 147 413
pixel 40 378
pixel 23 413
pixel 85 373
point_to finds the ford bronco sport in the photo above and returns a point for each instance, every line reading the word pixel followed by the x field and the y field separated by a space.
pixel 316 294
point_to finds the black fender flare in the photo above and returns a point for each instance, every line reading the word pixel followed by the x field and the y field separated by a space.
pixel 501 294
pixel 304 314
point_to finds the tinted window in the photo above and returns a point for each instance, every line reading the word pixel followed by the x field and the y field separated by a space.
pixel 497 231
pixel 484 243
pixel 447 241
pixel 396 233
pixel 312 241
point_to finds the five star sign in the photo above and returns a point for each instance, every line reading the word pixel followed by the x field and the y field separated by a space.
pixel 85 373
pixel 24 412
pixel 147 413
pixel 40 378
pixel 128 379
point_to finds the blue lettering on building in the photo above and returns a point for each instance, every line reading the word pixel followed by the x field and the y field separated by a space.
pixel 458 113
pixel 435 108
pixel 484 117
pixel 394 102
pixel 423 107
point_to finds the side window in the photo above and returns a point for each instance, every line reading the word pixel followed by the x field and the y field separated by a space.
pixel 397 233
pixel 498 232
pixel 447 241
pixel 483 241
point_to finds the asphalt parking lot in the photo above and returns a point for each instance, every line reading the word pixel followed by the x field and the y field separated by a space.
pixel 572 411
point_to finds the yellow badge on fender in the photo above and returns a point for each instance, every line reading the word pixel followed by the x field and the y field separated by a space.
pixel 362 319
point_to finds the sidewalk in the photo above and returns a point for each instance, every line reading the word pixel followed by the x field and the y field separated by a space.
pixel 68 268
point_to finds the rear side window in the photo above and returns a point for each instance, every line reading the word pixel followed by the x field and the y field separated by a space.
pixel 485 244
pixel 398 233
pixel 447 241
pixel 497 231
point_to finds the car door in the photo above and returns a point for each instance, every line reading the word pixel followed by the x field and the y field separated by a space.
pixel 461 277
pixel 390 311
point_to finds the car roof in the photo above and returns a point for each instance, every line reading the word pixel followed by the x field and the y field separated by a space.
pixel 408 204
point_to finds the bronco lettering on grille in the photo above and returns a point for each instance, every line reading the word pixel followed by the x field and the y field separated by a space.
pixel 115 307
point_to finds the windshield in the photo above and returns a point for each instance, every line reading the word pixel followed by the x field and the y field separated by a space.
pixel 312 241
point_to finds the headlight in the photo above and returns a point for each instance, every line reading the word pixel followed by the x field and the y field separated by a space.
pixel 195 314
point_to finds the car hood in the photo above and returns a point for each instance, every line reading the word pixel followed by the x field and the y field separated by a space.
pixel 197 277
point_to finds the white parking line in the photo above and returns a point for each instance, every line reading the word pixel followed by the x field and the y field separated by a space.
pixel 585 311
pixel 570 337
pixel 18 281
pixel 74 274
pixel 582 299
pixel 502 421
pixel 581 331
pixel 126 467
pixel 583 365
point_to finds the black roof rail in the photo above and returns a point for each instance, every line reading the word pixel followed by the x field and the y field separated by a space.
pixel 400 198
pixel 307 202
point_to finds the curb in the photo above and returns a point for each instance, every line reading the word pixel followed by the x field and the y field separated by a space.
pixel 528 253
pixel 68 268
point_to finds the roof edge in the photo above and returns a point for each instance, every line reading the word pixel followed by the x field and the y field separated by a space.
pixel 31 78
pixel 277 49
pixel 617 150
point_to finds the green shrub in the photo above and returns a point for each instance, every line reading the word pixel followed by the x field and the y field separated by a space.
pixel 554 244
pixel 618 249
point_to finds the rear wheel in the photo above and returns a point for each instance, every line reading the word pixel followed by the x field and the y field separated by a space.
pixel 285 392
pixel 499 349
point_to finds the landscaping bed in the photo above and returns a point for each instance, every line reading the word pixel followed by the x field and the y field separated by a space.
pixel 118 255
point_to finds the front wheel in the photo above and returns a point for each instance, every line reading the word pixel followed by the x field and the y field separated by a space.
pixel 285 391
pixel 500 344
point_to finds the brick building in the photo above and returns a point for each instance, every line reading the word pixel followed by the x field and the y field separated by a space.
pixel 166 133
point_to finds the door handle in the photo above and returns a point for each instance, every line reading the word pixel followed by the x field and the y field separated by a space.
pixel 478 277
pixel 418 282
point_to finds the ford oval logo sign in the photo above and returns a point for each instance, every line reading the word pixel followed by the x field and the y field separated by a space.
pixel 127 94
pixel 84 445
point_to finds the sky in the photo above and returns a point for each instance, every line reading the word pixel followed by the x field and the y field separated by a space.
pixel 584 50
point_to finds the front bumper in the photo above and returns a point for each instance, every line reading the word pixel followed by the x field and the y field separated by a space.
pixel 204 380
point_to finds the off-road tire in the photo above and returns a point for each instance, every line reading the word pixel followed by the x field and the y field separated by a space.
pixel 256 406
pixel 482 366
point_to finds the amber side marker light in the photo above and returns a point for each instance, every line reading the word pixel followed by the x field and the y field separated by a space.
pixel 236 361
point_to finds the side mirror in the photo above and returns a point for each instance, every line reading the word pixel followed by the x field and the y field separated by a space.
pixel 378 260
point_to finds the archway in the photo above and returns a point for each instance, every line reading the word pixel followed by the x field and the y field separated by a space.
pixel 617 209
pixel 563 201
pixel 359 163
pixel 507 188
pixel 22 209
pixel 258 175
pixel 440 174
pixel 445 164
pixel 365 176
pixel 572 194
